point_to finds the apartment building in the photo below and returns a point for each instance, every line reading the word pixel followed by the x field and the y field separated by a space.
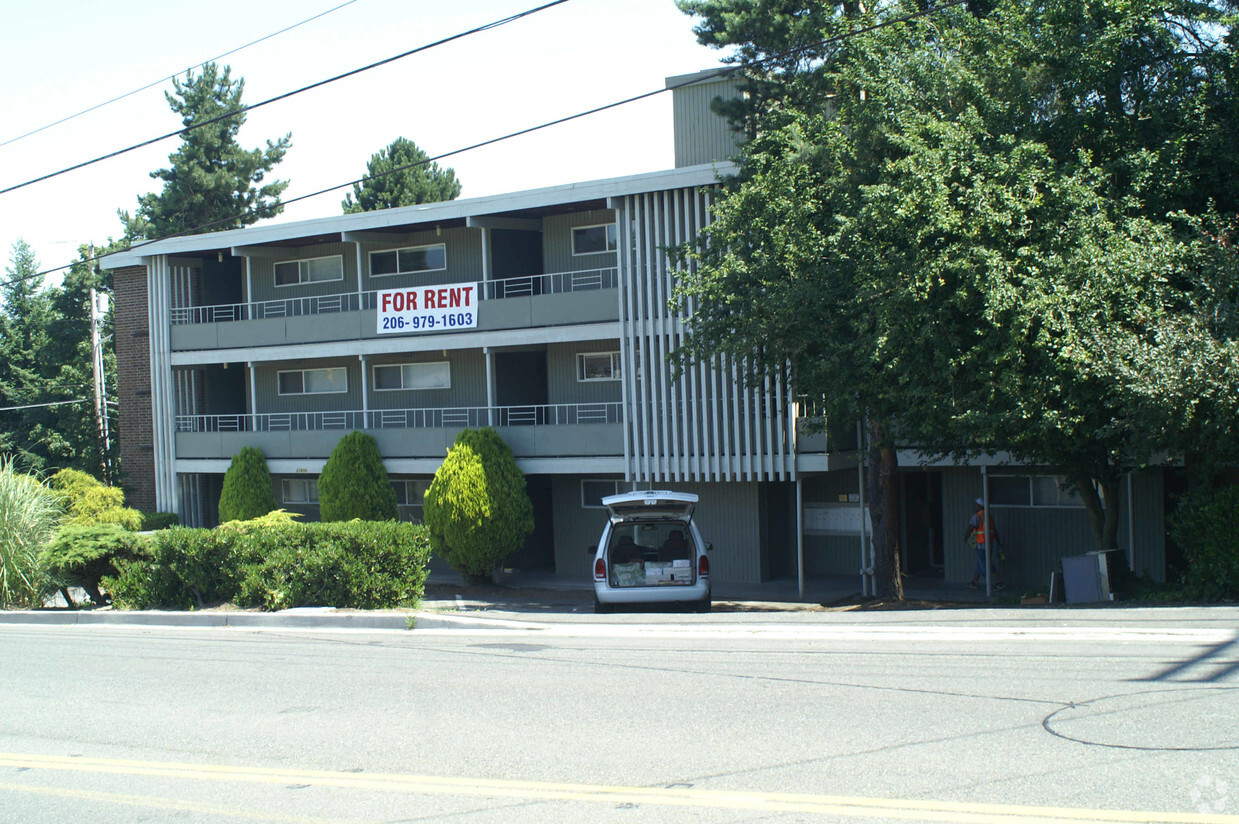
pixel 544 314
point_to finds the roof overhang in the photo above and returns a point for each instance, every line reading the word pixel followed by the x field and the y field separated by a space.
pixel 412 218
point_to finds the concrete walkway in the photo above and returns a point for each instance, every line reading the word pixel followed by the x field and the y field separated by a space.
pixel 518 596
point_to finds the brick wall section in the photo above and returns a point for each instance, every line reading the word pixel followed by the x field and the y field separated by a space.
pixel 133 377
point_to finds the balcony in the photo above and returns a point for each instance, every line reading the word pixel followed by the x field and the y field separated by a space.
pixel 548 431
pixel 553 299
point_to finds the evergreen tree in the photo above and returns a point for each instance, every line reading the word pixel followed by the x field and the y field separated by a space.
pixel 354 483
pixel 213 184
pixel 476 509
pixel 417 181
pixel 248 492
pixel 24 365
pixel 72 430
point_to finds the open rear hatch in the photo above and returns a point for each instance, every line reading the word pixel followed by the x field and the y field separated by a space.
pixel 653 505
pixel 651 538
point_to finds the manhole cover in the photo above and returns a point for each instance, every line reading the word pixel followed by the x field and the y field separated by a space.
pixel 1193 718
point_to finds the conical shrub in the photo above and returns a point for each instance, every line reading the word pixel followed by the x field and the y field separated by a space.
pixel 247 491
pixel 354 483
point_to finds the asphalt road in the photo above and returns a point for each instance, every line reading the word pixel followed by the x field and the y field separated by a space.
pixel 972 716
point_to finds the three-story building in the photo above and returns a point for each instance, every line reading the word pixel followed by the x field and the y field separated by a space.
pixel 547 314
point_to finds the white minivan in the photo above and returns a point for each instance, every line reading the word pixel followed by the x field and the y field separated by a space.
pixel 651 553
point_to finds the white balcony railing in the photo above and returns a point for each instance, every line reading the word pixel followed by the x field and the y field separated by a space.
pixel 466 416
pixel 529 285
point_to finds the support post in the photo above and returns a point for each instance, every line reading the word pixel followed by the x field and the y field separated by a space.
pixel 989 536
pixel 800 535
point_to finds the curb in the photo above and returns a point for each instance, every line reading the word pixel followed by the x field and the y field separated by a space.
pixel 240 620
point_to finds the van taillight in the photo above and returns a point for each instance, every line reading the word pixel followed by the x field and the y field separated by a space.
pixel 703 566
pixel 600 569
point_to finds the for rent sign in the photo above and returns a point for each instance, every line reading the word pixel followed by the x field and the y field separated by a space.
pixel 428 308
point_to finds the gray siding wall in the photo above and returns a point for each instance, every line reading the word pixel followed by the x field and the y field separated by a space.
pixel 468 367
pixel 728 516
pixel 464 258
pixel 701 136
pixel 561 371
pixel 1035 539
pixel 262 273
pixel 270 400
pixel 557 242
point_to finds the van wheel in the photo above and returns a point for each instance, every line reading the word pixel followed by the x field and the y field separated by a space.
pixel 601 608
pixel 703 605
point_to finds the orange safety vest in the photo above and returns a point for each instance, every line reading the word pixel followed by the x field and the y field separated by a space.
pixel 978 534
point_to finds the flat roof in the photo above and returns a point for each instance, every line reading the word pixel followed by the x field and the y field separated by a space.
pixel 323 229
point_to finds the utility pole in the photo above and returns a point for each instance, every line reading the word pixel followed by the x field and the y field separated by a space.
pixel 100 382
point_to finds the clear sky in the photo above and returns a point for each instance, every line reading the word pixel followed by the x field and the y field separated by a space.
pixel 61 56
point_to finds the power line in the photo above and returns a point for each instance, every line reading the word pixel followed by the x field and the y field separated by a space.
pixel 485 27
pixel 722 72
pixel 41 405
pixel 171 76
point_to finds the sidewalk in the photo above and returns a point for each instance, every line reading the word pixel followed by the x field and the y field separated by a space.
pixel 517 596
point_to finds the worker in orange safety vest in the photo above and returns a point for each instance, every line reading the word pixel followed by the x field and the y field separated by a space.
pixel 983 535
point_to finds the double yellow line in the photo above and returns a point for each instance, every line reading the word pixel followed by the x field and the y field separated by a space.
pixel 836 806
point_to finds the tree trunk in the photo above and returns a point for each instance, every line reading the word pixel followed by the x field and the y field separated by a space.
pixel 1103 509
pixel 884 512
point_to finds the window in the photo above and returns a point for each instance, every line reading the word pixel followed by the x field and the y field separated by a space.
pixel 410 494
pixel 412 259
pixel 1032 490
pixel 598 366
pixel 300 490
pixel 413 376
pixel 313 381
pixel 592 492
pixel 593 240
pixel 315 270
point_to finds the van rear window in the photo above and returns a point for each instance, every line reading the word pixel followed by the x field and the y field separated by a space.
pixel 650 554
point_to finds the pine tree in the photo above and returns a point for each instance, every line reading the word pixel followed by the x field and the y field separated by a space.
pixel 213 184
pixel 420 182
pixel 72 430
pixel 24 358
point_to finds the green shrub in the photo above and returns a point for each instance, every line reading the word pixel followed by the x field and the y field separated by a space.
pixel 275 563
pixel 476 509
pixel 74 483
pixel 130 519
pixel 82 554
pixel 247 491
pixel 354 483
pixel 184 568
pixel 87 501
pixel 274 519
pixel 354 564
pixel 159 520
pixel 29 515
pixel 1206 526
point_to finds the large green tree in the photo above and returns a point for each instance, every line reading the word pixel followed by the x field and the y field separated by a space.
pixel 24 364
pixel 913 233
pixel 401 175
pixel 46 367
pixel 212 184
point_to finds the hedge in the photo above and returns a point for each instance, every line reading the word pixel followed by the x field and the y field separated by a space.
pixel 275 563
